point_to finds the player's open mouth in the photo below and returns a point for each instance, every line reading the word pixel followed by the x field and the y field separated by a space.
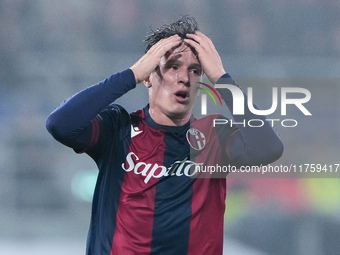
pixel 182 96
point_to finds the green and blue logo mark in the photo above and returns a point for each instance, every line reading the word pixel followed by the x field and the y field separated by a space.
pixel 204 97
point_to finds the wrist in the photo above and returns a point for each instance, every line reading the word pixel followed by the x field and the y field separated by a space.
pixel 214 78
pixel 135 73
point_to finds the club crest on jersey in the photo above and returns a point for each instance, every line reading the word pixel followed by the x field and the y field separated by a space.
pixel 196 139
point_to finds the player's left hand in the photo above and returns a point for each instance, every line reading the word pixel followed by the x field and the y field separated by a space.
pixel 207 54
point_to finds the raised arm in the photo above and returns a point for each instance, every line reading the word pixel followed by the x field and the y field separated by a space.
pixel 71 122
pixel 249 145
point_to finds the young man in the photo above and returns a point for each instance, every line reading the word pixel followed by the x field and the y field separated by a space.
pixel 146 200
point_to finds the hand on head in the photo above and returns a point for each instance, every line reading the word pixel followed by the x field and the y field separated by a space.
pixel 148 63
pixel 207 54
pixel 205 49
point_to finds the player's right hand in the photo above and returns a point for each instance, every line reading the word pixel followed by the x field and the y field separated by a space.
pixel 148 63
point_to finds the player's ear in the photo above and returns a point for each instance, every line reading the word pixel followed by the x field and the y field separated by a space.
pixel 147 82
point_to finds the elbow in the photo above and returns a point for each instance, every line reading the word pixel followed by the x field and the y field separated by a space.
pixel 273 152
pixel 54 127
pixel 50 125
pixel 269 154
pixel 277 150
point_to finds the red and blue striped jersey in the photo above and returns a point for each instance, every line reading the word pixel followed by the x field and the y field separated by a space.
pixel 147 199
pixel 155 205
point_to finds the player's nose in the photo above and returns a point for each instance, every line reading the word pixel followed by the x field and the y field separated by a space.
pixel 183 77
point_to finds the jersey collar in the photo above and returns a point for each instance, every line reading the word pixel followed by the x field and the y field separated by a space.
pixel 174 129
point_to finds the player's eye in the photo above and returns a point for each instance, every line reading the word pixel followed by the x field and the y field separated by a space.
pixel 174 67
pixel 195 71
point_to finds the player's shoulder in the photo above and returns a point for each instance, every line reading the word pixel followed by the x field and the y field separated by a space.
pixel 138 114
pixel 116 108
pixel 123 115
pixel 114 113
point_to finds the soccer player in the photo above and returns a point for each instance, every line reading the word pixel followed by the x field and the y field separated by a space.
pixel 147 199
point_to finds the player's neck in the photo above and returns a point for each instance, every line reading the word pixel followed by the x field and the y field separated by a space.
pixel 163 119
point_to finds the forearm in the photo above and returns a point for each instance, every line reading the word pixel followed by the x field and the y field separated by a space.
pixel 70 119
pixel 250 145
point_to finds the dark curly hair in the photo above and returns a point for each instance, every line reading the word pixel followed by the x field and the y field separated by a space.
pixel 183 26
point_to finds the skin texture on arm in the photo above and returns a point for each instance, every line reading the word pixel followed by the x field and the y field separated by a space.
pixel 207 54
pixel 150 60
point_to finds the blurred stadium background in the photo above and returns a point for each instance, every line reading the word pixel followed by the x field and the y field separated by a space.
pixel 50 50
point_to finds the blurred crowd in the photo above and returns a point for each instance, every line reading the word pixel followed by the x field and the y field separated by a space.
pixel 302 28
pixel 52 49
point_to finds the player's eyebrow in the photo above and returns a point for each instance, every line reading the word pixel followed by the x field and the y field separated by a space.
pixel 197 66
pixel 174 60
pixel 175 57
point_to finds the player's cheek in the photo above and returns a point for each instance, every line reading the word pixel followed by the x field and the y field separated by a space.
pixel 194 93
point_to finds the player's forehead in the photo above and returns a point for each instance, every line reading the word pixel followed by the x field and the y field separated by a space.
pixel 183 53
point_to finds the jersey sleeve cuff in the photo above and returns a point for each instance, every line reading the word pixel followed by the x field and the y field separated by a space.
pixel 226 79
pixel 129 78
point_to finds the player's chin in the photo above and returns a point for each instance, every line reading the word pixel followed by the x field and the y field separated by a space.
pixel 180 110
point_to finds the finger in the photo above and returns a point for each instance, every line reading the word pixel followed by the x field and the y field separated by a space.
pixel 167 40
pixel 197 46
pixel 199 39
pixel 202 39
pixel 199 33
pixel 165 45
pixel 208 40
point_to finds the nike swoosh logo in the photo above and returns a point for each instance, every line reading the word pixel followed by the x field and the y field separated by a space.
pixel 135 132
